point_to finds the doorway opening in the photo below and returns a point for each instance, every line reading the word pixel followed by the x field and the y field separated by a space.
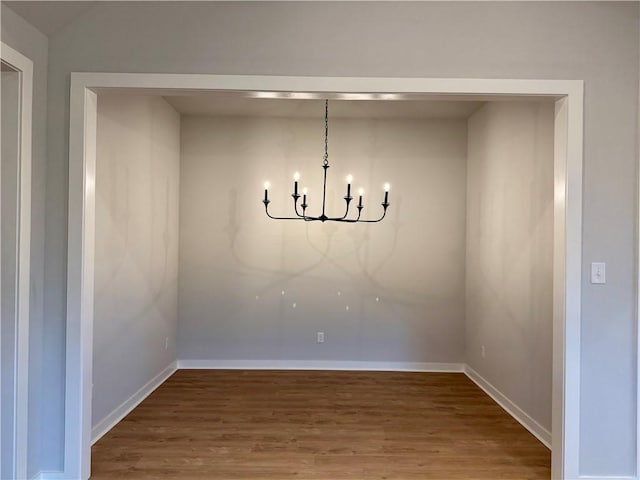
pixel 567 99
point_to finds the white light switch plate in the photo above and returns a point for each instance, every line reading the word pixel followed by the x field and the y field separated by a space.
pixel 598 273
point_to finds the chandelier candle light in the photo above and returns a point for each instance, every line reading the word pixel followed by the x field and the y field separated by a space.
pixel 323 217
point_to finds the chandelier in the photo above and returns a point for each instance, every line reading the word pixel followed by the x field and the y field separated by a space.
pixel 348 198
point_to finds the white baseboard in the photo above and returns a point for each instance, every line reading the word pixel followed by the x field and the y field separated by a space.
pixel 607 477
pixel 129 404
pixel 319 365
pixel 512 409
pixel 50 476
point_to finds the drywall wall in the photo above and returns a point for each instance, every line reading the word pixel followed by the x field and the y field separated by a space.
pixel 255 288
pixel 593 41
pixel 44 376
pixel 136 272
pixel 509 268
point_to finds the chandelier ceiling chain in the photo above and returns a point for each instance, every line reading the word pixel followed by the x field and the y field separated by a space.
pixel 323 217
pixel 326 133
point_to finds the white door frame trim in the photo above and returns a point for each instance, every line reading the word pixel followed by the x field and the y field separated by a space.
pixel 24 67
pixel 567 227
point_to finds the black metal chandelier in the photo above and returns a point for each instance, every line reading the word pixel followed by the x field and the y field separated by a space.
pixel 323 217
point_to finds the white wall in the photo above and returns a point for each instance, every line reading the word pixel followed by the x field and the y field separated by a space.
pixel 509 270
pixel 235 262
pixel 45 402
pixel 593 41
pixel 136 273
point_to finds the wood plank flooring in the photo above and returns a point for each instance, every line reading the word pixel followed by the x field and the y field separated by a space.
pixel 216 424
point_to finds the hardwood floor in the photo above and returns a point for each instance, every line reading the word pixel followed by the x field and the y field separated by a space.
pixel 213 424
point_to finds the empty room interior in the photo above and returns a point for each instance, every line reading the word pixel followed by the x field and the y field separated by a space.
pixel 323 349
pixel 319 240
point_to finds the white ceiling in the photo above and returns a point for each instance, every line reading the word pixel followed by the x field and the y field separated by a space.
pixel 49 17
pixel 238 104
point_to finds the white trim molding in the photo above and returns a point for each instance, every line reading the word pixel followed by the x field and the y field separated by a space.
pixel 511 408
pixel 213 364
pixel 51 475
pixel 24 67
pixel 110 421
pixel 568 95
pixel 80 280
pixel 567 283
pixel 607 477
pixel 637 280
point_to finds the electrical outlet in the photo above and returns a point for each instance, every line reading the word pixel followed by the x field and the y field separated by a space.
pixel 482 351
pixel 320 337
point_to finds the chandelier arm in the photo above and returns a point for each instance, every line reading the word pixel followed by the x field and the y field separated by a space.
pixel 379 219
pixel 345 219
pixel 266 210
pixel 346 213
pixel 295 206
